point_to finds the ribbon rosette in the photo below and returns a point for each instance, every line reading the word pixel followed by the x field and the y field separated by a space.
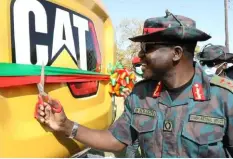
pixel 120 79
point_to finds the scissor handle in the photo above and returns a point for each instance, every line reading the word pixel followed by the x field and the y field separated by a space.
pixel 55 104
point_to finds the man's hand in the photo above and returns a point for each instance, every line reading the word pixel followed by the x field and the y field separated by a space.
pixel 125 92
pixel 55 121
pixel 58 122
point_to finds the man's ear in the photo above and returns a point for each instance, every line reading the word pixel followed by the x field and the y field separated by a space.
pixel 178 53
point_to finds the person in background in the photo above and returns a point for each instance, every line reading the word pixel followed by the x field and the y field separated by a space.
pixel 137 68
pixel 216 59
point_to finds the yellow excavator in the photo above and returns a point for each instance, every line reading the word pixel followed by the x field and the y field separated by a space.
pixel 76 34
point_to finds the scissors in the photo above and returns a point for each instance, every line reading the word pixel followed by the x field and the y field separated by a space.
pixel 44 97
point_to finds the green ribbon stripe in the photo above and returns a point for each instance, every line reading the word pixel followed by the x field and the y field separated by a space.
pixel 12 69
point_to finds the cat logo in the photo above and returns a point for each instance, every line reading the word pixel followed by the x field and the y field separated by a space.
pixel 42 30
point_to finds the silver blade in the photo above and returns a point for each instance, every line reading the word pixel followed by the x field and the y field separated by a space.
pixel 40 85
pixel 42 75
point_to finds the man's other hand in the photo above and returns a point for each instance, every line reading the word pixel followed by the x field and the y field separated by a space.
pixel 125 92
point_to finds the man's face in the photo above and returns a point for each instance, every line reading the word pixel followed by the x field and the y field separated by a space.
pixel 136 65
pixel 156 61
pixel 215 67
pixel 221 67
pixel 137 69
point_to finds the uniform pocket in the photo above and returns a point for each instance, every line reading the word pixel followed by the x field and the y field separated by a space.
pixel 145 127
pixel 202 139
pixel 143 123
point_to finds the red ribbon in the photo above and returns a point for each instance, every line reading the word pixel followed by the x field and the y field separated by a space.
pixel 25 80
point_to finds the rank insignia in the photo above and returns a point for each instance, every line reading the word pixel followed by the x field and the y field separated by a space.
pixel 157 90
pixel 198 92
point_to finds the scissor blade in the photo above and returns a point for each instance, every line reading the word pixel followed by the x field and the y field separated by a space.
pixel 40 85
pixel 40 88
pixel 42 75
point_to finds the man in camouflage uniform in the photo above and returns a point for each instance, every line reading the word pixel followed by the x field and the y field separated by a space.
pixel 215 59
pixel 181 113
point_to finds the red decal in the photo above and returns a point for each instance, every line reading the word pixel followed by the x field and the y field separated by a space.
pixel 198 92
pixel 222 81
pixel 157 90
pixel 229 83
pixel 152 30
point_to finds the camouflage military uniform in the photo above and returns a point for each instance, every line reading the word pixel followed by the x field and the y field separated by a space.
pixel 199 123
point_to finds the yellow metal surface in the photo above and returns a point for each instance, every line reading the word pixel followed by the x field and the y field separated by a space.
pixel 20 134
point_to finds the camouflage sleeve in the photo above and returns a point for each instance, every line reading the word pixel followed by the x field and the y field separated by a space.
pixel 228 139
pixel 121 128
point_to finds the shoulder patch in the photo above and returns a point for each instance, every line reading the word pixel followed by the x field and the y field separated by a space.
pixel 222 82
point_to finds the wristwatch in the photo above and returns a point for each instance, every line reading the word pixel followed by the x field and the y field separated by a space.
pixel 74 131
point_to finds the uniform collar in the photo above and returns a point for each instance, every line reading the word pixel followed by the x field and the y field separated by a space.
pixel 199 91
